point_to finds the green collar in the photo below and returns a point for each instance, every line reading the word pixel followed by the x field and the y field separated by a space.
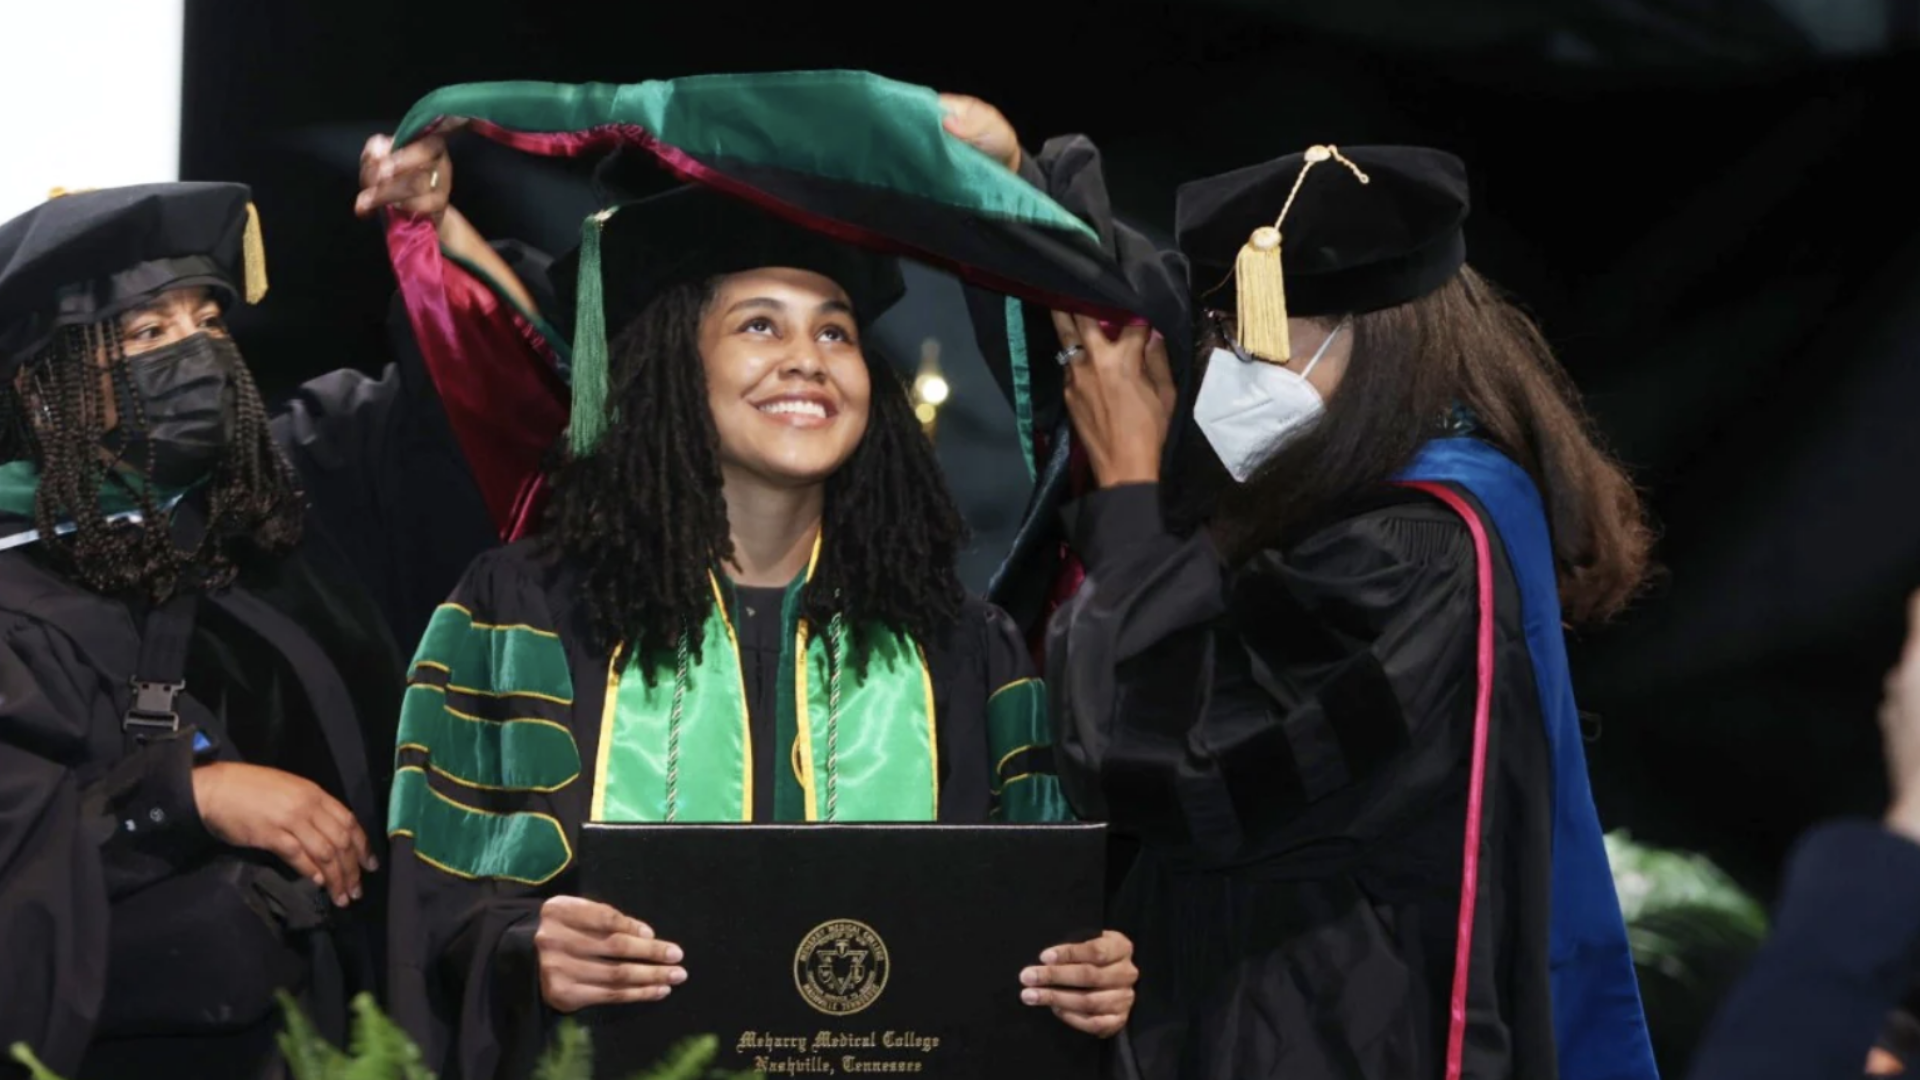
pixel 119 499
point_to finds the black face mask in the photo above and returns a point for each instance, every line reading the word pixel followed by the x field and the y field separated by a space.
pixel 186 393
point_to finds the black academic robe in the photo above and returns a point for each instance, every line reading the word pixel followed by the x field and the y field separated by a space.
pixel 110 890
pixel 1289 742
pixel 1019 352
pixel 463 972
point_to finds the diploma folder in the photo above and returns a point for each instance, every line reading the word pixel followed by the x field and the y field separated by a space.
pixel 851 950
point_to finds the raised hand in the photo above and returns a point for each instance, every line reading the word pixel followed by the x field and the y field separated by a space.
pixel 982 127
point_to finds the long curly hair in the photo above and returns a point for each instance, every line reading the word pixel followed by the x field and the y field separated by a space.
pixel 56 418
pixel 643 521
pixel 1464 344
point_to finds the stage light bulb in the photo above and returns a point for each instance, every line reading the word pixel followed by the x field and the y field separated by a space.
pixel 934 390
pixel 925 412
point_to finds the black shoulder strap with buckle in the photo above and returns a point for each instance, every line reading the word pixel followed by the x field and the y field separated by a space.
pixel 160 673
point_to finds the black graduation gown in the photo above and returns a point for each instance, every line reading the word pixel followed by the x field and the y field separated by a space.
pixel 1068 169
pixel 294 666
pixel 1289 741
pixel 463 973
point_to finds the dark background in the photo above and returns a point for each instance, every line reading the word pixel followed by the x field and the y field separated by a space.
pixel 1707 204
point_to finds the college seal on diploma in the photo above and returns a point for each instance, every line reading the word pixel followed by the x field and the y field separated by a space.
pixel 841 967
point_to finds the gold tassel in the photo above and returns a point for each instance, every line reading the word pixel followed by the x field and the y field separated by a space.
pixel 253 252
pixel 62 192
pixel 1260 284
pixel 1261 290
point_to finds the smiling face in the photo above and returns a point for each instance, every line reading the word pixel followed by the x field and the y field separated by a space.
pixel 786 379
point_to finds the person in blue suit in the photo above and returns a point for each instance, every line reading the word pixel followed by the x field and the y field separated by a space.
pixel 1845 945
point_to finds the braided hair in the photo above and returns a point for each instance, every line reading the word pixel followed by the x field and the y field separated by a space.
pixel 56 418
pixel 643 520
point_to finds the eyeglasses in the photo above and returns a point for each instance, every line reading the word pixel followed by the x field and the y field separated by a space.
pixel 1221 324
pixel 1222 329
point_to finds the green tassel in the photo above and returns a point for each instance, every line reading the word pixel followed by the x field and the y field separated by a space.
pixel 1022 381
pixel 589 420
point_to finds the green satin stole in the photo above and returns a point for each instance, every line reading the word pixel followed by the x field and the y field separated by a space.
pixel 681 749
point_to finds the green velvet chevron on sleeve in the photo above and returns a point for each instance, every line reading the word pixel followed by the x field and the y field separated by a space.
pixel 1025 788
pixel 485 719
pixel 466 842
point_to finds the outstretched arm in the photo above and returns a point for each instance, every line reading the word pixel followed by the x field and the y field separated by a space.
pixel 417 179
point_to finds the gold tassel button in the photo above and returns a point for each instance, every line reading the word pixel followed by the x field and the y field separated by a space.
pixel 253 253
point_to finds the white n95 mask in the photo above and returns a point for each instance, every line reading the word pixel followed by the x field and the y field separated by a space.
pixel 1249 409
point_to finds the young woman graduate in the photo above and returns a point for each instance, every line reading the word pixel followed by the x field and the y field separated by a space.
pixel 1338 717
pixel 742 605
pixel 198 606
pixel 743 608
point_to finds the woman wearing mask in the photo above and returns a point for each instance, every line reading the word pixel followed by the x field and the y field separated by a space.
pixel 1337 716
pixel 196 603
